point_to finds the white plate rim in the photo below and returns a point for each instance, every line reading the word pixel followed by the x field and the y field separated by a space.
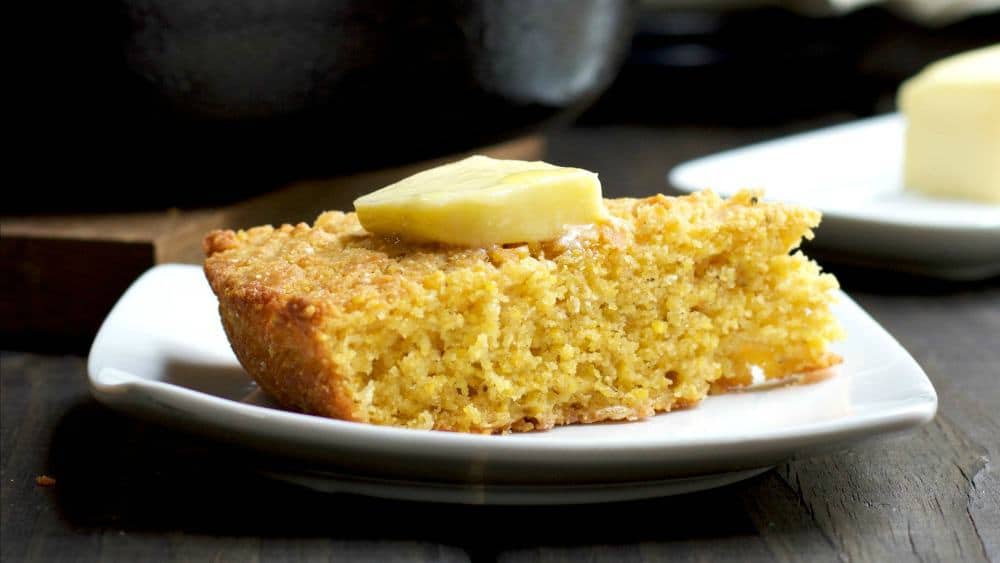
pixel 510 494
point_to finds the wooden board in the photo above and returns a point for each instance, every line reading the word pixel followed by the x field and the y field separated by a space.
pixel 63 273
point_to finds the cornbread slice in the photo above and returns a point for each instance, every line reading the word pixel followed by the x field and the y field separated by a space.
pixel 643 313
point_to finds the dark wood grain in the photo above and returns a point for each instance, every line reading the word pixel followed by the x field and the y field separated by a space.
pixel 130 491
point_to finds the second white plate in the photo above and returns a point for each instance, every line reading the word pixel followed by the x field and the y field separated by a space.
pixel 162 354
pixel 853 174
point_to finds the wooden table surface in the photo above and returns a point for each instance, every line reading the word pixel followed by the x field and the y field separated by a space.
pixel 130 491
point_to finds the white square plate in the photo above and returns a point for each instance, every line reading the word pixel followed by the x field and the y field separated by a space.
pixel 853 174
pixel 162 354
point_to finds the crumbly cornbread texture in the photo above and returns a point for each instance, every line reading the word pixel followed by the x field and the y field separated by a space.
pixel 672 298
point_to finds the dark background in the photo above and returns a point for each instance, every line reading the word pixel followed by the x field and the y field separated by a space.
pixel 109 129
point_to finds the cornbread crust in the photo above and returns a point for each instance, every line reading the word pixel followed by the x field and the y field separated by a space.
pixel 646 313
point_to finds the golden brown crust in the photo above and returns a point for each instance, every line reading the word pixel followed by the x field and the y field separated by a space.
pixel 272 336
pixel 219 241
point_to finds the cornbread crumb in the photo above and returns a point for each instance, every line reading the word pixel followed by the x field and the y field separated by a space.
pixel 45 481
pixel 648 312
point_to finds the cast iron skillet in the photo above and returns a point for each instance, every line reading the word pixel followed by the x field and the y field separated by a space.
pixel 202 101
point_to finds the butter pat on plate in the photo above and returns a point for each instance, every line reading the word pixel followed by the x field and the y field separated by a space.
pixel 952 110
pixel 482 201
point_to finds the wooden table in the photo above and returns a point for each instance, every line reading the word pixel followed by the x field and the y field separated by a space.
pixel 131 491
